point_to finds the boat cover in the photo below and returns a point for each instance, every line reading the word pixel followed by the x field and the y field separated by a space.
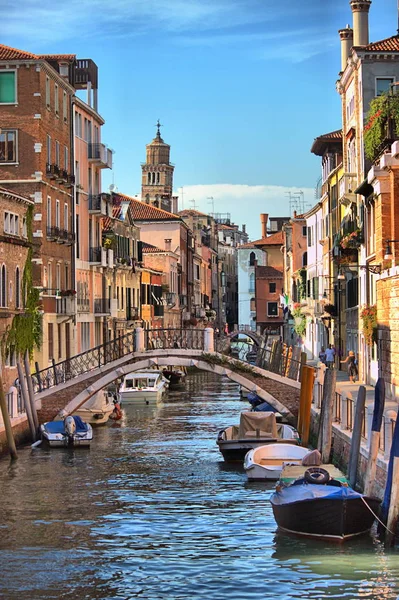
pixel 311 491
pixel 255 424
pixel 58 426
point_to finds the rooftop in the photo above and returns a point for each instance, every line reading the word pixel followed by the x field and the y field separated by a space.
pixel 149 248
pixel 268 273
pixel 390 44
pixel 8 53
pixel 322 141
pixel 146 212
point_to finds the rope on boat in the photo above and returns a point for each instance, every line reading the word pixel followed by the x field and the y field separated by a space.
pixel 379 520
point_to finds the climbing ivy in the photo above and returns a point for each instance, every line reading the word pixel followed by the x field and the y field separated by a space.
pixel 26 330
pixel 382 108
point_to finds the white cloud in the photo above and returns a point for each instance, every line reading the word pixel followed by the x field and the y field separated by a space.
pixel 246 202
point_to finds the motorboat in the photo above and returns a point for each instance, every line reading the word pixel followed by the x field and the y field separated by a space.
pixel 72 431
pixel 266 462
pixel 320 506
pixel 255 429
pixel 176 375
pixel 97 409
pixel 244 392
pixel 143 387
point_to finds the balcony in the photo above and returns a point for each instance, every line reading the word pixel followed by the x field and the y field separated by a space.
pixel 347 185
pixel 95 255
pixel 83 305
pixel 65 306
pixel 52 171
pixel 102 306
pixel 171 298
pixel 100 155
pixel 98 204
pixel 59 175
pixel 182 300
pixel 61 236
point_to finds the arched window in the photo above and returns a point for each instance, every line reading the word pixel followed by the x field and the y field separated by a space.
pixel 305 259
pixel 149 178
pixel 3 286
pixel 17 289
pixel 252 258
pixel 153 178
pixel 252 282
pixel 157 177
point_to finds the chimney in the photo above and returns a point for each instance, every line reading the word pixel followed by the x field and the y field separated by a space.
pixel 263 221
pixel 295 213
pixel 360 10
pixel 346 36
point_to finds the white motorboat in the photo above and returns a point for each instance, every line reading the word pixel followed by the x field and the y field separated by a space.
pixel 255 429
pixel 176 375
pixel 267 462
pixel 72 431
pixel 97 409
pixel 143 387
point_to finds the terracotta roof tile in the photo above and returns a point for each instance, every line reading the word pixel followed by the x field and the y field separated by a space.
pixel 190 212
pixel 68 57
pixel 247 245
pixel 149 248
pixel 8 53
pixel 268 272
pixel 146 212
pixel 322 141
pixel 388 45
pixel 276 239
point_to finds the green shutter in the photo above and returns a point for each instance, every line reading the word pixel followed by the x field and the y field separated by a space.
pixel 7 87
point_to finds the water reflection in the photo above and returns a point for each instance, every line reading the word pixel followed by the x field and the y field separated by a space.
pixel 152 512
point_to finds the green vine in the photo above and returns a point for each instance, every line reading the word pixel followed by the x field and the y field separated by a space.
pixel 299 320
pixel 382 108
pixel 369 318
pixel 26 330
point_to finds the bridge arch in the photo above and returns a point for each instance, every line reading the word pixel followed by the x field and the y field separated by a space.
pixel 256 338
pixel 170 360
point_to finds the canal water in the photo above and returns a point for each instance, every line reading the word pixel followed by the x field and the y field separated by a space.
pixel 151 511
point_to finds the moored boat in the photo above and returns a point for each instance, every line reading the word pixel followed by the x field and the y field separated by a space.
pixel 255 429
pixel 97 409
pixel 72 431
pixel 176 375
pixel 318 505
pixel 266 462
pixel 143 387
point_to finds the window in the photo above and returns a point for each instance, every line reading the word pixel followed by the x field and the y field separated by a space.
pixel 48 147
pixel 77 237
pixel 11 357
pixel 8 87
pixel 304 232
pixel 65 107
pixel 17 289
pixel 48 211
pixel 66 159
pixel 50 277
pixel 8 146
pixel 56 100
pixel 48 92
pixel 383 85
pixel 272 288
pixel 11 223
pixel 272 309
pixel 309 236
pixel 66 217
pixel 57 153
pixel 50 342
pixel 58 276
pixel 57 214
pixel 66 277
pixel 3 286
pixel 252 258
pixel 252 282
pixel 305 259
pixel 24 230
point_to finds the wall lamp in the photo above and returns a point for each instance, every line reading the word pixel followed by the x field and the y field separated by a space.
pixel 388 250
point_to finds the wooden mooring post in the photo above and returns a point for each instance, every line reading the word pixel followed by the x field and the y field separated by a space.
pixel 25 398
pixel 305 403
pixel 326 415
pixel 379 405
pixel 7 421
pixel 390 504
pixel 356 435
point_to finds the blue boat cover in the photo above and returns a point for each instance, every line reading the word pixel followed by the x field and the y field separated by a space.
pixel 58 426
pixel 311 491
pixel 264 407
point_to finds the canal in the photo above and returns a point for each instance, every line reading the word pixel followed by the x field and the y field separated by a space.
pixel 152 512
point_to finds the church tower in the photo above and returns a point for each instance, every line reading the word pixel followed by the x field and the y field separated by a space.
pixel 157 174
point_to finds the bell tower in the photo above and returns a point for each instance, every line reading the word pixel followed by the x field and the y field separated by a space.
pixel 157 174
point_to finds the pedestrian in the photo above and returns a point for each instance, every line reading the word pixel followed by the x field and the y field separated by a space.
pixel 322 355
pixel 330 356
pixel 352 367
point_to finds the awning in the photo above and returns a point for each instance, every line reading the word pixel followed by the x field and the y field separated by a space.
pixel 365 189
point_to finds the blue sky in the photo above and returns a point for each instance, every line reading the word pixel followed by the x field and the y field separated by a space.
pixel 242 87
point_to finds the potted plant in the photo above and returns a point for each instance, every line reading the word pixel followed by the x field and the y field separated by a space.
pixel 368 315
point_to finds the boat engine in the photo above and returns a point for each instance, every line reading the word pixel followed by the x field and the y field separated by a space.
pixel 70 428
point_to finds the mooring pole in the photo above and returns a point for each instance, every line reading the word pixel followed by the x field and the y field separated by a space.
pixel 356 436
pixel 326 415
pixel 7 421
pixel 390 504
pixel 379 405
pixel 305 403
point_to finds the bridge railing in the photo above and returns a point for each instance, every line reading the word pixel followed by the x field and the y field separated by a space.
pixel 166 339
pixel 81 363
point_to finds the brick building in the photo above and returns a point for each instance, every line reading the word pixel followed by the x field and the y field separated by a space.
pixel 269 287
pixel 14 245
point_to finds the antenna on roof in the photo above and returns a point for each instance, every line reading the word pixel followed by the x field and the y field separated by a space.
pixel 212 201
pixel 192 201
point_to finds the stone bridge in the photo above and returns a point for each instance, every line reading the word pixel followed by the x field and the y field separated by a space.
pixel 69 384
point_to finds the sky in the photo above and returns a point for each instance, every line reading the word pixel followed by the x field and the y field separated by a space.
pixel 241 87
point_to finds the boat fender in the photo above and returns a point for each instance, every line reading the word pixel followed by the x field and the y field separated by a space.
pixel 316 475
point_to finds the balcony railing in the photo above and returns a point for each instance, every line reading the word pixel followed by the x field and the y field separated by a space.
pixel 54 171
pixel 95 255
pixel 83 305
pixel 98 204
pixel 61 236
pixel 101 155
pixel 347 186
pixel 102 306
pixel 65 306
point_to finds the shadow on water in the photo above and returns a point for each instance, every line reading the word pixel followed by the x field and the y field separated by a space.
pixel 151 511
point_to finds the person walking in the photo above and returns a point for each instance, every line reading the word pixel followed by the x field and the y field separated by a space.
pixel 352 367
pixel 330 356
pixel 322 355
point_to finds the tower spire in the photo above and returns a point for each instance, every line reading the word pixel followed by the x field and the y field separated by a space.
pixel 159 129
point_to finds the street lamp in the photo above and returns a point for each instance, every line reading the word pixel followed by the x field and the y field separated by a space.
pixel 388 251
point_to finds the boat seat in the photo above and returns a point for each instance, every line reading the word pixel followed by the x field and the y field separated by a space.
pixel 279 461
pixel 258 433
